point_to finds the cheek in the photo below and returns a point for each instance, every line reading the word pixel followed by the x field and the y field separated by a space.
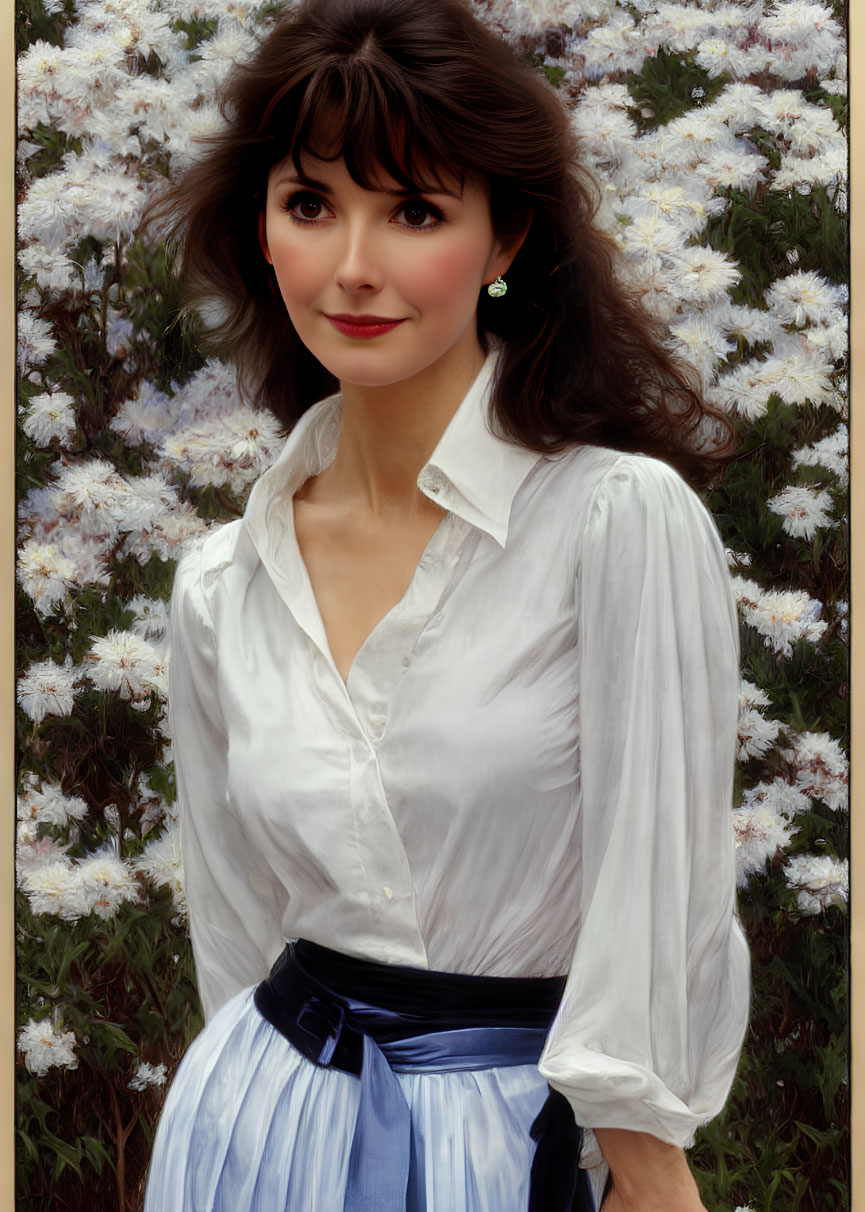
pixel 446 277
pixel 298 270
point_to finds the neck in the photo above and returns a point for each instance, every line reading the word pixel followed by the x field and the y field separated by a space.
pixel 388 433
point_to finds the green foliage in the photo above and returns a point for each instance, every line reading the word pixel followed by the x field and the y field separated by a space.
pixel 759 232
pixel 33 24
pixel 53 146
pixel 196 31
pixel 781 1142
pixel 837 102
pixel 669 85
pixel 127 990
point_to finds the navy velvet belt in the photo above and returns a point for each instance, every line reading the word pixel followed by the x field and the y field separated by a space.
pixel 375 1019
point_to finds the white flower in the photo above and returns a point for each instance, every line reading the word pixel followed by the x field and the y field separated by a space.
pixel 684 203
pixel 701 342
pixel 134 24
pixel 607 134
pixel 50 269
pixel 779 795
pixel 107 882
pixel 54 887
pixel 804 510
pixel 151 617
pixel 795 377
pixel 720 55
pixel 182 143
pixel 93 490
pixel 88 555
pixel 174 532
pixel 822 880
pixel 827 168
pixel 751 696
pixel 229 450
pixel 125 662
pixel 651 233
pixel 781 617
pixel 162 863
pixel 47 689
pixel 45 574
pixel 89 197
pixel 733 168
pixel 615 45
pixel 831 452
pixel 704 275
pixel 822 768
pixel 47 805
pixel 212 391
pixel 830 341
pixel 756 734
pixel 45 1047
pixel 739 106
pixel 801 379
pixel 32 851
pixel 803 36
pixel 691 139
pixel 50 415
pixel 120 334
pixel 804 298
pixel 743 389
pixel 144 417
pixel 147 1075
pixel 35 340
pixel 752 325
pixel 760 832
pixel 146 500
pixel 676 27
pixel 737 559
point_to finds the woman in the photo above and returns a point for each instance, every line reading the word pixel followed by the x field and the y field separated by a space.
pixel 454 703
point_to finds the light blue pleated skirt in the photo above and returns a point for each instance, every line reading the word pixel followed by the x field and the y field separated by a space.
pixel 250 1125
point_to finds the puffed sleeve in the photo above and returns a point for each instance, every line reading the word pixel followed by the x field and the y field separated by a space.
pixel 655 1008
pixel 233 913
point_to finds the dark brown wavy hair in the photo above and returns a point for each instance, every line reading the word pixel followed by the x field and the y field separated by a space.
pixel 425 91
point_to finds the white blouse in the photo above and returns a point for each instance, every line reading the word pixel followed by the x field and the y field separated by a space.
pixel 528 772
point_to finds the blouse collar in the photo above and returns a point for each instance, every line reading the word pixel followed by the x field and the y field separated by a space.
pixel 472 472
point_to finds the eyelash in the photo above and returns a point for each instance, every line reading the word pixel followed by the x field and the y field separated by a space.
pixel 305 196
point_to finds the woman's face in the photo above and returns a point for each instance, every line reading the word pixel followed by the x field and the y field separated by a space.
pixel 378 284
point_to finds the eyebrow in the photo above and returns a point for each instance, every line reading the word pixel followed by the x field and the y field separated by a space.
pixel 295 178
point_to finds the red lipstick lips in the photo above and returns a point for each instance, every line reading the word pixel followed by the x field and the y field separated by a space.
pixel 362 326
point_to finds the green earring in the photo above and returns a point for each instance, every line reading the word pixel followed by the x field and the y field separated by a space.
pixel 498 288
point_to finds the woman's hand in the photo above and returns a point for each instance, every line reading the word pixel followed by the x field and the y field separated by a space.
pixel 649 1175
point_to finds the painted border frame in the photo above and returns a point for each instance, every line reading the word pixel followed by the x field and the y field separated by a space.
pixel 7 599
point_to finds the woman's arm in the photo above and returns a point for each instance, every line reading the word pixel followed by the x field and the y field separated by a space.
pixel 648 1174
pixel 234 909
pixel 648 1035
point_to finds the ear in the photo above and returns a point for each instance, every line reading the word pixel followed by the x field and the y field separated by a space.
pixel 262 238
pixel 505 250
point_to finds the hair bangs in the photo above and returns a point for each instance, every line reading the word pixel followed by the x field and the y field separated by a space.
pixel 352 111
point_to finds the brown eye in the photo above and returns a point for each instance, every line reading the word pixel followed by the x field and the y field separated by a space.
pixel 415 214
pixel 305 207
pixel 310 208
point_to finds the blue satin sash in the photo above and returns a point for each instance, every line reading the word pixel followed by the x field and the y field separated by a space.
pixel 375 1019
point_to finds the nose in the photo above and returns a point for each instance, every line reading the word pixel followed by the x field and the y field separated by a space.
pixel 359 265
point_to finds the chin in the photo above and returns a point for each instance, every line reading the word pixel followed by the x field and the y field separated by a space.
pixel 380 370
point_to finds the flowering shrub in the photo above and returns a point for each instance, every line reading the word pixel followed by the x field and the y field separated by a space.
pixel 717 131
